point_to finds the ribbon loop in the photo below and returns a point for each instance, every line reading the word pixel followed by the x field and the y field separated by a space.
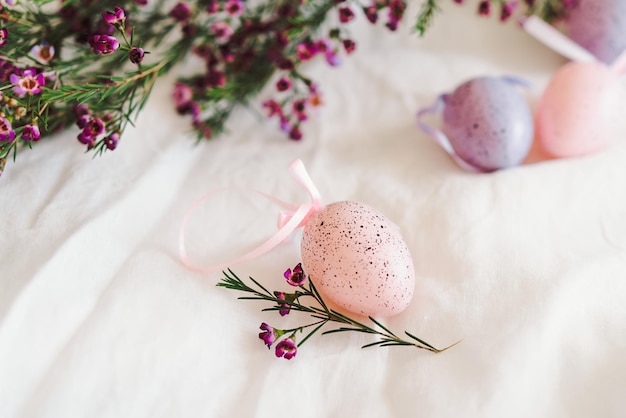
pixel 439 137
pixel 289 219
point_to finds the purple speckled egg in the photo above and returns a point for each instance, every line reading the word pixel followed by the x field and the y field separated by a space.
pixel 488 123
pixel 358 259
pixel 599 26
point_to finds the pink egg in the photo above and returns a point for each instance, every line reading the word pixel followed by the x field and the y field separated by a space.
pixel 577 113
pixel 358 259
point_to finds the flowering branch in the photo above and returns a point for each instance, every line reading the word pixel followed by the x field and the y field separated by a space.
pixel 308 300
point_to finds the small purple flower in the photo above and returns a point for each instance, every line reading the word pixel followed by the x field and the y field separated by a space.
pixel 81 110
pixel 484 8
pixel 371 13
pixel 396 10
pixel 295 133
pixel 117 16
pixel 94 127
pixel 112 140
pixel 392 25
pixel 306 50
pixel 86 139
pixel 345 14
pixel 323 45
pixel 285 64
pixel 29 83
pixel 273 108
pixel 31 133
pixel 285 306
pixel 299 109
pixel 43 52
pixel 268 335
pixel 190 108
pixel 234 7
pixel 82 114
pixel 216 78
pixel 222 31
pixel 349 46
pixel 103 44
pixel 182 94
pixel 213 7
pixel 82 121
pixel 4 36
pixel 332 58
pixel 297 276
pixel 283 84
pixel 189 30
pixel 507 10
pixel 285 126
pixel 181 12
pixel 7 134
pixel 6 69
pixel 287 348
pixel 136 55
pixel 140 2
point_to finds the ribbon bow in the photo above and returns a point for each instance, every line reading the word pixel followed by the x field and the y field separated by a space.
pixel 289 219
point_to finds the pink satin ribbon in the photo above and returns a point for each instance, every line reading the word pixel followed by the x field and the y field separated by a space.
pixel 290 219
pixel 438 136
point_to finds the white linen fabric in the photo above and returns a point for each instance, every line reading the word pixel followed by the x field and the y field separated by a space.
pixel 526 266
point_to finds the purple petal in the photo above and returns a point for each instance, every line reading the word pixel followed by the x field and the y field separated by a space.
pixel 19 91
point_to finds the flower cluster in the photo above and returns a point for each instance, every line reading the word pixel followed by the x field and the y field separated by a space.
pixel 285 341
pixel 14 123
pixel 549 9
pixel 287 347
pixel 85 63
pixel 242 47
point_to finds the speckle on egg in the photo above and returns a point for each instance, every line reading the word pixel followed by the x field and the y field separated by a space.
pixel 358 259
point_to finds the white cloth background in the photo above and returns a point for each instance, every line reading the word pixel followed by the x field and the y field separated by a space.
pixel 99 318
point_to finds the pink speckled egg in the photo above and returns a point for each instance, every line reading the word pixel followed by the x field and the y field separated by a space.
pixel 576 114
pixel 358 259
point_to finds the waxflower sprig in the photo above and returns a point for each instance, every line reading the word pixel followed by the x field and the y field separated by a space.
pixel 306 298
